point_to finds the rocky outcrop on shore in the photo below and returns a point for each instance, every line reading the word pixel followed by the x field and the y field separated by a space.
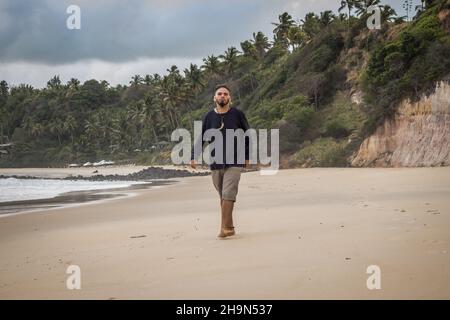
pixel 143 175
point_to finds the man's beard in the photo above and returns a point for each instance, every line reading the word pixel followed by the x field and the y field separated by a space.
pixel 222 103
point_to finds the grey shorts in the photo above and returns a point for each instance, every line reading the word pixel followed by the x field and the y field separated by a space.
pixel 226 182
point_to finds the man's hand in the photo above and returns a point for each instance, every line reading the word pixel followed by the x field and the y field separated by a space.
pixel 193 164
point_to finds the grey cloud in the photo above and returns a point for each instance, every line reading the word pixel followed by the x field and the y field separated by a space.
pixel 121 38
pixel 123 30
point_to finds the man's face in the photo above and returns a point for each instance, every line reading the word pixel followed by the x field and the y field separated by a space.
pixel 222 97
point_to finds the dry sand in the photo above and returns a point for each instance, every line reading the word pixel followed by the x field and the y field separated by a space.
pixel 303 233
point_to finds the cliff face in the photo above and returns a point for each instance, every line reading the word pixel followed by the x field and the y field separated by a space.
pixel 418 134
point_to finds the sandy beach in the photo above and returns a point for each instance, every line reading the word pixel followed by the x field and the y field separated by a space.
pixel 301 234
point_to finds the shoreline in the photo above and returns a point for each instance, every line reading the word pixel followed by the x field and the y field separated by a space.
pixel 75 198
pixel 144 177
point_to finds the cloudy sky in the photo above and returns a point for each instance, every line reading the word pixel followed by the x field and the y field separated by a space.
pixel 119 38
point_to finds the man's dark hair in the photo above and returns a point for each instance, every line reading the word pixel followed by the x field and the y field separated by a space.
pixel 221 86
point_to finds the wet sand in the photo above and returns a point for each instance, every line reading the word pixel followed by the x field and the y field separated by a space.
pixel 74 198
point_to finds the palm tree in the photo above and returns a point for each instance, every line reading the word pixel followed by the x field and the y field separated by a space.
pixel 230 59
pixel 170 92
pixel 150 115
pixel 120 131
pixel 56 128
pixel 174 71
pixel 54 83
pixel 70 126
pixel 349 4
pixel 134 115
pixel 136 80
pixel 73 83
pixel 311 24
pixel 148 79
pixel 92 128
pixel 282 28
pixel 248 49
pixel 194 77
pixel 327 17
pixel 296 37
pixel 388 13
pixel 170 96
pixel 156 78
pixel 261 43
pixel 211 65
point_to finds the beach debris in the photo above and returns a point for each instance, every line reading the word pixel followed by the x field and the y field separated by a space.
pixel 103 163
pixel 140 236
pixel 347 258
pixel 74 165
pixel 98 164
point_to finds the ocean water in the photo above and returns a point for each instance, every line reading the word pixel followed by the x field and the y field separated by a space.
pixel 12 189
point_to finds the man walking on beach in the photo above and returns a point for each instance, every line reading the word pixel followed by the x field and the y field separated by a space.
pixel 225 173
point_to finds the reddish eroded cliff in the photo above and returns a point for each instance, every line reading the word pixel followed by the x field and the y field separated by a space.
pixel 418 134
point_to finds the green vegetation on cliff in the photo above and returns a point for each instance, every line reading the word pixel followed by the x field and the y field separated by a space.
pixel 308 81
